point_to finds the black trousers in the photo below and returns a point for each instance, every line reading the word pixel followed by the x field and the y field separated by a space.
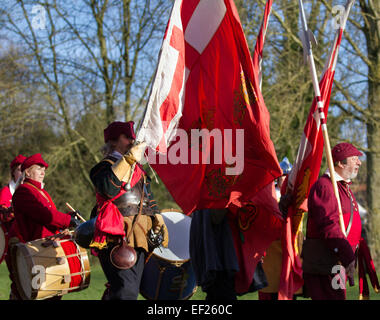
pixel 122 284
pixel 222 288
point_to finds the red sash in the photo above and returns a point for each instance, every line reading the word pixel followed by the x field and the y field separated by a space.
pixel 109 220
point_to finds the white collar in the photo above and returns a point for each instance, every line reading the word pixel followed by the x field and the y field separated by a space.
pixel 12 186
pixel 337 176
pixel 116 154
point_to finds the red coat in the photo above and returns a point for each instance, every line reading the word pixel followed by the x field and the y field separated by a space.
pixel 6 215
pixel 323 218
pixel 5 197
pixel 323 223
pixel 35 212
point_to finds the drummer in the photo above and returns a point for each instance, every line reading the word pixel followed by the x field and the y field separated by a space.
pixel 36 216
pixel 6 211
pixel 35 211
pixel 120 183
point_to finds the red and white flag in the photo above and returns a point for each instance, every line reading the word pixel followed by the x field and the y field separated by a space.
pixel 214 90
pixel 206 84
pixel 166 100
pixel 305 171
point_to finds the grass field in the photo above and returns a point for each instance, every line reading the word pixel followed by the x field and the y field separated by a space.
pixel 96 288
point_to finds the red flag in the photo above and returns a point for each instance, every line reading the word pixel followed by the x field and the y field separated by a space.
pixel 221 151
pixel 166 100
pixel 258 52
pixel 305 173
pixel 221 103
pixel 256 225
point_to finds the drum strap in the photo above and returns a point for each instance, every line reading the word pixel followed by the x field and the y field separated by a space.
pixel 139 214
pixel 43 194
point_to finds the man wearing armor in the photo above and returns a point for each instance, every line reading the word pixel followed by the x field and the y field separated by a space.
pixel 125 212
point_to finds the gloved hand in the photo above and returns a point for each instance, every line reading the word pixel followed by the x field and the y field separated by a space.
pixel 284 204
pixel 135 154
pixel 155 238
pixel 6 214
pixel 74 213
pixel 159 234
pixel 350 272
pixel 74 222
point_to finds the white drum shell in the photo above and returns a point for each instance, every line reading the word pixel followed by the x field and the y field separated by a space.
pixel 178 225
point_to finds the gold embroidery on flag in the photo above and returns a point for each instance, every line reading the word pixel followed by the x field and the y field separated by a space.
pixel 246 215
pixel 208 117
pixel 298 216
pixel 241 100
pixel 296 221
pixel 302 188
pixel 218 184
pixel 244 97
pixel 196 124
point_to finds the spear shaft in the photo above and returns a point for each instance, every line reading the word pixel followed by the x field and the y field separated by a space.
pixel 310 59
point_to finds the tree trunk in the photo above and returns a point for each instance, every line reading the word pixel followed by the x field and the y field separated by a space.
pixel 371 13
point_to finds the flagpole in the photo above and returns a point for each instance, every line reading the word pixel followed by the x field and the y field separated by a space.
pixel 310 59
pixel 258 51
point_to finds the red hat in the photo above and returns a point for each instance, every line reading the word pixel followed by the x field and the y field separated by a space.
pixel 16 161
pixel 115 129
pixel 344 150
pixel 34 159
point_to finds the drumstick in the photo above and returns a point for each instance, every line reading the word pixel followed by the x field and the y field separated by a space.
pixel 72 209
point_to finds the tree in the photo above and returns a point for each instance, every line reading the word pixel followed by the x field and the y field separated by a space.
pixel 287 85
pixel 19 112
pixel 354 106
pixel 93 59
pixel 363 105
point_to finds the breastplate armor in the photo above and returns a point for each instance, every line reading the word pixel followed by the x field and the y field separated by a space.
pixel 129 202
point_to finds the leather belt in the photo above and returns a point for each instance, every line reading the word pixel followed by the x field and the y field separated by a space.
pixel 132 210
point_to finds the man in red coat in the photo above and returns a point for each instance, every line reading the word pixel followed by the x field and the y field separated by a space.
pixel 36 216
pixel 6 211
pixel 35 212
pixel 323 227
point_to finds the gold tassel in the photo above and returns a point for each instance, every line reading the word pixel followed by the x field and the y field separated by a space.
pixel 98 245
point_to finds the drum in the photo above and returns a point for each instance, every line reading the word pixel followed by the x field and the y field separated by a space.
pixel 168 274
pixel 45 268
pixel 3 242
